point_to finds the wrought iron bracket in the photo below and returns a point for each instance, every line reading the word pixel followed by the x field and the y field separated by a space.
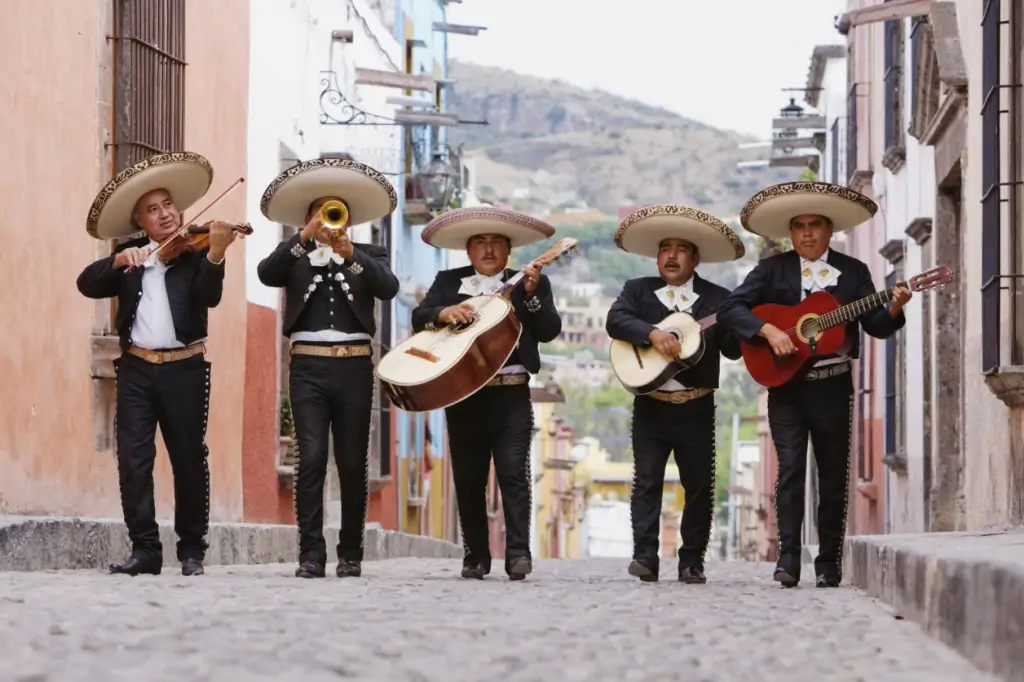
pixel 336 110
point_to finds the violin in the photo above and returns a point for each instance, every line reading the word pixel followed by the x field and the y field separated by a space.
pixel 191 238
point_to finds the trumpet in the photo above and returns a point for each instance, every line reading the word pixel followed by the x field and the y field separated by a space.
pixel 334 216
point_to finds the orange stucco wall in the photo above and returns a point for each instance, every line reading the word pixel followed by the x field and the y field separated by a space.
pixel 51 128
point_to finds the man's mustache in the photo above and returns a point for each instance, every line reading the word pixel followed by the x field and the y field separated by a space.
pixel 671 262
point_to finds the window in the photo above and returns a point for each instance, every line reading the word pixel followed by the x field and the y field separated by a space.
pixel 149 118
pixel 895 383
pixel 864 434
pixel 1000 167
pixel 150 90
pixel 851 133
pixel 895 148
pixel 833 153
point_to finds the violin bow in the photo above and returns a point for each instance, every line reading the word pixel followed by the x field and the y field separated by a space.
pixel 186 223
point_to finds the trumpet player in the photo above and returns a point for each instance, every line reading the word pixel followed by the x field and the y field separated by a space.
pixel 331 287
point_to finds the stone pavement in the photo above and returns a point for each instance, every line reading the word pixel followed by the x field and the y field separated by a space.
pixel 410 619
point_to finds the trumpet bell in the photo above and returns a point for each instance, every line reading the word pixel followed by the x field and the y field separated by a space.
pixel 334 215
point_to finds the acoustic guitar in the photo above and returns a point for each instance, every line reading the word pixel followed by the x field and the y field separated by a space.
pixel 817 326
pixel 642 370
pixel 434 369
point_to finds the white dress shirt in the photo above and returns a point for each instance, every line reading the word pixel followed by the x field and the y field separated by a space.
pixel 153 328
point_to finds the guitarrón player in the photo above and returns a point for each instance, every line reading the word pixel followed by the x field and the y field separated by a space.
pixel 496 421
pixel 819 404
pixel 678 418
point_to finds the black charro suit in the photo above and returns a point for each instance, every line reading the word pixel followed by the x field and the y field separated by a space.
pixel 661 428
pixel 172 395
pixel 818 407
pixel 330 394
pixel 496 421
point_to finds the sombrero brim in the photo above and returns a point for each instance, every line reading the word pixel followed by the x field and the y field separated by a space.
pixel 367 192
pixel 768 213
pixel 643 231
pixel 452 229
pixel 186 177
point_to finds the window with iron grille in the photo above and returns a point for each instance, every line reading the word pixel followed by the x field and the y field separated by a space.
pixel 150 67
pixel 1000 95
pixel 895 368
pixel 833 153
pixel 864 468
pixel 851 133
pixel 894 95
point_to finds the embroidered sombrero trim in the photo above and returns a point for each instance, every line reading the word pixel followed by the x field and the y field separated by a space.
pixel 152 162
pixel 824 188
pixel 461 215
pixel 684 212
pixel 314 164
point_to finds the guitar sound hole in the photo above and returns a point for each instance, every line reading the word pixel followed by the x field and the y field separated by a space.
pixel 460 327
pixel 809 329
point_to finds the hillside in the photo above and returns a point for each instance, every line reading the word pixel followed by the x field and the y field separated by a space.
pixel 549 144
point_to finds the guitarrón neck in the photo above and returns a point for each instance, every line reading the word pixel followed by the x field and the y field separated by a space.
pixel 851 311
pixel 506 289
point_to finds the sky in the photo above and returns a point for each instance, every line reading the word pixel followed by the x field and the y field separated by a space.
pixel 721 62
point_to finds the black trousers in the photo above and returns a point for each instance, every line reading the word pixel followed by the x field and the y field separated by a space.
pixel 496 421
pixel 687 431
pixel 331 395
pixel 821 409
pixel 175 396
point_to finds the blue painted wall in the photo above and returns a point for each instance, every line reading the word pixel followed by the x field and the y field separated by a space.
pixel 413 258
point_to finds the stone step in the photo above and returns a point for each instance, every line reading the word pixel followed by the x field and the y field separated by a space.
pixel 55 543
pixel 966 589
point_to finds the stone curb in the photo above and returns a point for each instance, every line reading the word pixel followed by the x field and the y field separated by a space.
pixel 965 589
pixel 53 543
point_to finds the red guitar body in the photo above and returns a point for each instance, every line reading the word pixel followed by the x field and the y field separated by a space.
pixel 771 371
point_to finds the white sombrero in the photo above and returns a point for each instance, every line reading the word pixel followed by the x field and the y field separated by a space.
pixel 769 212
pixel 185 176
pixel 367 192
pixel 452 229
pixel 641 232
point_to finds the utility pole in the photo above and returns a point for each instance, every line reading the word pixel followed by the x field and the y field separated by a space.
pixel 731 531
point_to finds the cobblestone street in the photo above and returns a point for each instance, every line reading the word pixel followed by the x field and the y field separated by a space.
pixel 411 619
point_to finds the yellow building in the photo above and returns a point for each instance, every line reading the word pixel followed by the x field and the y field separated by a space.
pixel 560 495
pixel 614 481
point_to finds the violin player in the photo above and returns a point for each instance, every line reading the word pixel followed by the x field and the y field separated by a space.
pixel 332 285
pixel 162 376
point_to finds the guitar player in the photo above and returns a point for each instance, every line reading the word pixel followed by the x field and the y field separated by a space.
pixel 496 421
pixel 679 417
pixel 817 404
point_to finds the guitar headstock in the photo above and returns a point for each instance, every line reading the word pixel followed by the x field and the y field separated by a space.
pixel 560 253
pixel 930 279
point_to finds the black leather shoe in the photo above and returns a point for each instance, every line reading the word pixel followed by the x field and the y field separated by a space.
pixel 787 577
pixel 310 568
pixel 349 569
pixel 138 565
pixel 518 568
pixel 692 576
pixel 474 572
pixel 825 580
pixel 192 567
pixel 639 568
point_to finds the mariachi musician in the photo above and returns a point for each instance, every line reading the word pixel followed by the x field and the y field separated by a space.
pixel 331 288
pixel 818 404
pixel 678 418
pixel 163 377
pixel 496 421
